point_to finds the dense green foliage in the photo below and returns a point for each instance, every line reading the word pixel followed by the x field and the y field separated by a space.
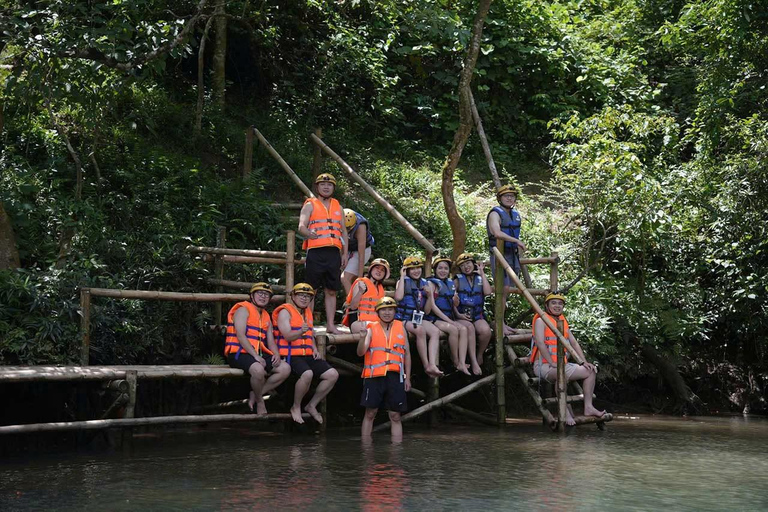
pixel 651 114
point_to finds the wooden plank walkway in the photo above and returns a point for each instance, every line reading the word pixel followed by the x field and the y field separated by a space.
pixel 80 373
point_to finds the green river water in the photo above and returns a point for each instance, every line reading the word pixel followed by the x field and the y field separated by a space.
pixel 645 463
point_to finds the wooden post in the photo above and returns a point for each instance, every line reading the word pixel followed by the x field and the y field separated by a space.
pixel 499 352
pixel 433 393
pixel 562 388
pixel 317 157
pixel 248 161
pixel 131 379
pixel 553 273
pixel 218 270
pixel 85 325
pixel 321 342
pixel 283 164
pixel 290 251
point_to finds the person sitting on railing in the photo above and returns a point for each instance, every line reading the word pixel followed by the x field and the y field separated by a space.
pixel 364 295
pixel 411 294
pixel 250 346
pixel 544 354
pixel 441 302
pixel 473 287
pixel 503 223
pixel 386 368
pixel 360 243
pixel 321 222
pixel 296 342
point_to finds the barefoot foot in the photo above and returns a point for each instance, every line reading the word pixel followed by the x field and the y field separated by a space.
pixel 591 411
pixel 569 420
pixel 331 329
pixel 508 331
pixel 296 414
pixel 314 413
pixel 251 400
pixel 261 407
pixel 433 371
pixel 476 369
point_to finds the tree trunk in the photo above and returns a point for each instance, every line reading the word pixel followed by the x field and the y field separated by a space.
pixel 458 226
pixel 9 255
pixel 220 57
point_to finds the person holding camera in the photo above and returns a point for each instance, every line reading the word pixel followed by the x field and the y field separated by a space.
pixel 473 287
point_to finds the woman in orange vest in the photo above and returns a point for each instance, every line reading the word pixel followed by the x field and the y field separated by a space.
pixel 251 347
pixel 386 368
pixel 364 294
pixel 296 342
pixel 321 223
pixel 544 354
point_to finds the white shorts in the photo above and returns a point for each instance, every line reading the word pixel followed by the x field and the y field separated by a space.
pixel 542 370
pixel 354 261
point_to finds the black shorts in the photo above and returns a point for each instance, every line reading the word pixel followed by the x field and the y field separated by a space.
pixel 244 360
pixel 300 364
pixel 323 268
pixel 387 391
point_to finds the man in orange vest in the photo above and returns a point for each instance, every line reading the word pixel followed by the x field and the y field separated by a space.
pixel 251 346
pixel 296 342
pixel 321 223
pixel 544 354
pixel 386 368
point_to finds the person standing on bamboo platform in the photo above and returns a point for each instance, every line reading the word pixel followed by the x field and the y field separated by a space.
pixel 360 243
pixel 296 342
pixel 321 222
pixel 441 303
pixel 250 346
pixel 544 354
pixel 473 287
pixel 386 368
pixel 503 223
pixel 411 294
pixel 364 295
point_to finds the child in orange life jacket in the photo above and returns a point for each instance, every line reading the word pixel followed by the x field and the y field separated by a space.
pixel 296 342
pixel 544 354
pixel 321 222
pixel 472 287
pixel 411 296
pixel 360 242
pixel 364 294
pixel 386 368
pixel 251 346
pixel 441 302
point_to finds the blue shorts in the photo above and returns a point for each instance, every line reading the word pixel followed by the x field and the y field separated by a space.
pixel 385 391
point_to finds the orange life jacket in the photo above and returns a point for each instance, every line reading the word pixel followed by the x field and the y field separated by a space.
pixel 301 346
pixel 367 307
pixel 549 337
pixel 255 330
pixel 386 353
pixel 327 223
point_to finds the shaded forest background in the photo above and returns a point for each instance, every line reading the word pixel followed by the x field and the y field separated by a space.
pixel 636 129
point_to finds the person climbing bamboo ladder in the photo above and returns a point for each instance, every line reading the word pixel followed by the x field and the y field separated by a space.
pixel 321 223
pixel 364 295
pixel 360 244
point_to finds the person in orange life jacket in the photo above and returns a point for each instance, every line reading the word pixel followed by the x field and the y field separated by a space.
pixel 411 295
pixel 544 354
pixel 503 223
pixel 251 346
pixel 360 243
pixel 472 287
pixel 321 222
pixel 296 342
pixel 386 368
pixel 365 293
pixel 441 302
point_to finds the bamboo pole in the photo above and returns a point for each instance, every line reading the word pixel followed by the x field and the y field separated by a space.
pixel 134 422
pixel 255 259
pixel 569 399
pixel 80 373
pixel 383 202
pixel 317 157
pixel 287 206
pixel 131 378
pixel 501 413
pixel 553 273
pixel 85 325
pixel 121 400
pixel 218 270
pixel 540 292
pixel 518 338
pixel 536 307
pixel 283 164
pixel 290 268
pixel 447 399
pixel 321 344
pixel 236 252
pixel 484 141
pixel 117 385
pixel 562 389
pixel 159 295
pixel 248 160
pixel 533 394
pixel 356 370
pixel 554 258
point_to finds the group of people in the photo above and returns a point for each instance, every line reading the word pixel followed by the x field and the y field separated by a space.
pixel 339 244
